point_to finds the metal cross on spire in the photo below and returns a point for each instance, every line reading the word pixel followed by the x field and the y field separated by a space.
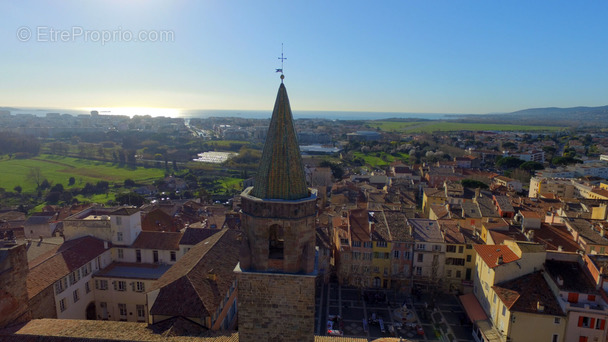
pixel 282 60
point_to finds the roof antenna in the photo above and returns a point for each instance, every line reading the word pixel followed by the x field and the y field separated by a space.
pixel 282 60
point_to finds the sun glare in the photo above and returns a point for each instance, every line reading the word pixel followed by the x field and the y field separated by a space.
pixel 132 111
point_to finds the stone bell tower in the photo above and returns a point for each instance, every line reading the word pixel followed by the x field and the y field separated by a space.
pixel 276 273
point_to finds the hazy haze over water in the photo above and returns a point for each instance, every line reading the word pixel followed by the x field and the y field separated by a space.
pixel 251 114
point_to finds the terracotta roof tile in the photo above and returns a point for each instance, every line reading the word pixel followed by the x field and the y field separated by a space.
pixel 192 236
pixel 525 293
pixel 188 282
pixel 491 253
pixel 54 330
pixel 359 225
pixel 555 236
pixel 158 240
pixel 125 211
pixel 58 330
pixel 68 257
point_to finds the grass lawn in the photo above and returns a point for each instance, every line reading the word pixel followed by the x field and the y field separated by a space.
pixel 228 183
pixel 58 169
pixel 446 126
pixel 382 159
pixel 394 126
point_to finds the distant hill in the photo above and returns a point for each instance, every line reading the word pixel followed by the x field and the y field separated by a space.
pixel 571 117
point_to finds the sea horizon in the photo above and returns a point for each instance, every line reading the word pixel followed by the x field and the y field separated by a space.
pixel 226 113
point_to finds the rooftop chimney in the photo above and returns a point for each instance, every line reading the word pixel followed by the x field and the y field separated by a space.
pixel 500 261
pixel 105 245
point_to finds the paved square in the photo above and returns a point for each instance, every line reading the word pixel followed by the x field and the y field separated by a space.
pixel 432 312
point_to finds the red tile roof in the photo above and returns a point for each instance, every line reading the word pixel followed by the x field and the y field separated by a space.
pixel 192 236
pixel 555 236
pixel 491 253
pixel 525 293
pixel 187 289
pixel 359 225
pixel 168 241
pixel 46 270
pixel 72 330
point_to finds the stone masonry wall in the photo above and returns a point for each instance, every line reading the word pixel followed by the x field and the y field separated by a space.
pixel 276 307
pixel 13 288
pixel 43 304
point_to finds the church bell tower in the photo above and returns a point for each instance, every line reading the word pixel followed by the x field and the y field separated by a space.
pixel 276 273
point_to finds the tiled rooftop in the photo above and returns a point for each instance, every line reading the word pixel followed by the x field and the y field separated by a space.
pixel 133 270
pixel 168 241
pixel 359 225
pixel 397 226
pixel 426 230
pixel 54 330
pixel 586 231
pixel 125 211
pixel 381 231
pixel 572 275
pixel 192 236
pixel 554 237
pixel 490 253
pixel 187 289
pixel 73 254
pixel 524 294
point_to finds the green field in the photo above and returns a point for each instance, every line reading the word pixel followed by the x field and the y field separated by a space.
pixel 58 169
pixel 445 126
pixel 228 183
pixel 394 126
pixel 376 159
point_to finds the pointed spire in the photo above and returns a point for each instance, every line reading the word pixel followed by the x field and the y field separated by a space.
pixel 281 173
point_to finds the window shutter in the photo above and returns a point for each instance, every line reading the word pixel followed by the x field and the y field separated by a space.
pixel 115 285
pixel 580 321
pixel 592 325
pixel 96 284
pixel 602 324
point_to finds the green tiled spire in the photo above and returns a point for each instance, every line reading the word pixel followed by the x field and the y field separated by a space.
pixel 281 173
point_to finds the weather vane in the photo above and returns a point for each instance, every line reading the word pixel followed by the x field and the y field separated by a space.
pixel 282 60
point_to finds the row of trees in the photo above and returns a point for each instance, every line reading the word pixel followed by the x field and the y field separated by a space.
pixel 18 145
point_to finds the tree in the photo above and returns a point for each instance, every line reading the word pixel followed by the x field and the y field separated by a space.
pixel 129 183
pixel 71 181
pixel 509 162
pixel 131 198
pixel 57 188
pixel 35 175
pixel 45 184
pixel 18 189
pixel 531 165
pixel 565 160
pixel 472 183
pixel 509 145
pixel 53 197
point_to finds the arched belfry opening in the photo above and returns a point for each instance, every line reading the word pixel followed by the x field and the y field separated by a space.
pixel 276 242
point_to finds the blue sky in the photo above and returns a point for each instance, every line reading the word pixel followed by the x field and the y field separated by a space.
pixel 386 56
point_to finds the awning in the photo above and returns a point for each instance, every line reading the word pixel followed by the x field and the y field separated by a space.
pixel 472 307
